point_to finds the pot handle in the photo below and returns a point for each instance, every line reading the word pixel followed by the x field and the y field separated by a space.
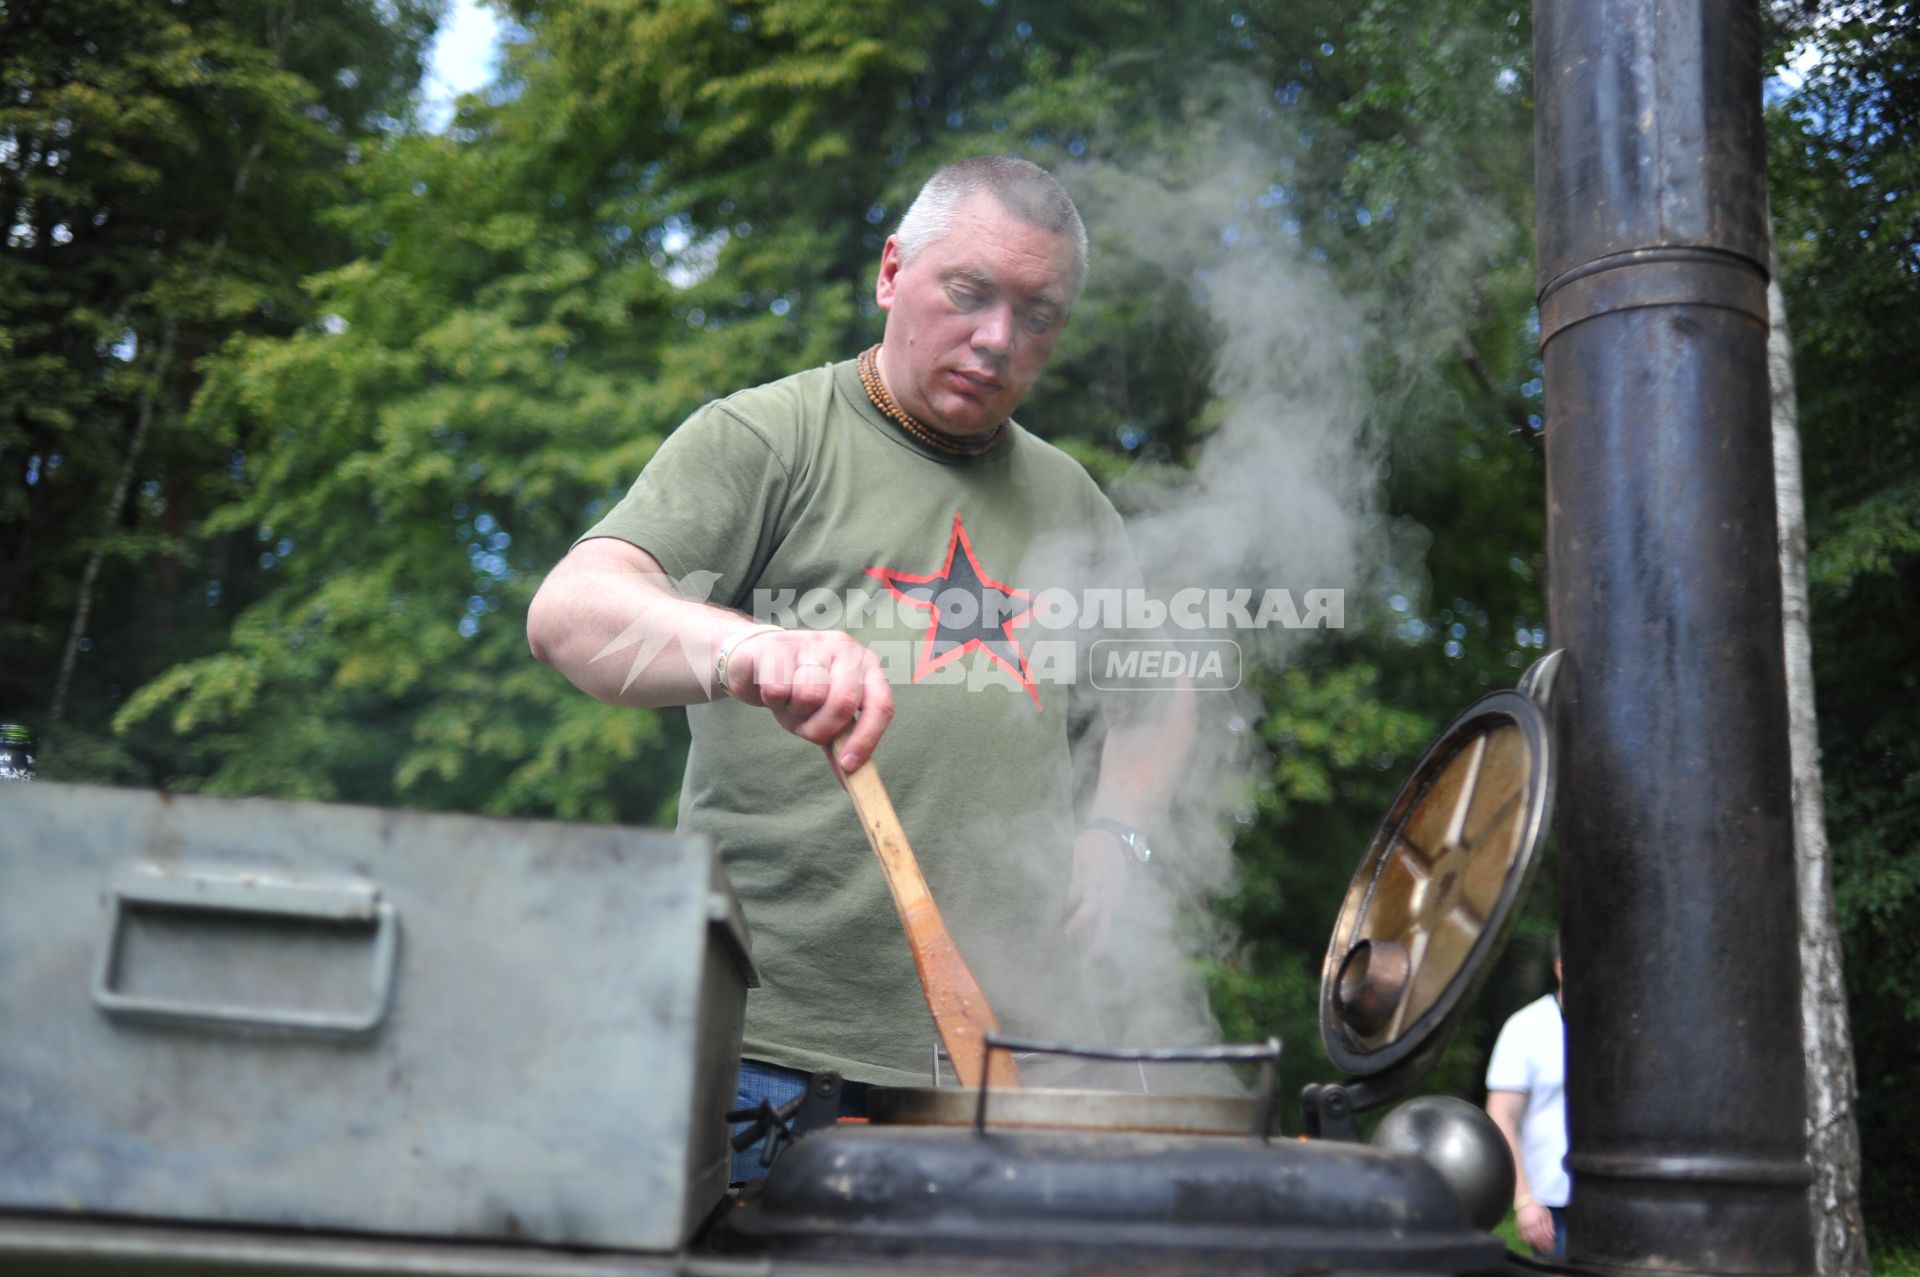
pixel 1265 1054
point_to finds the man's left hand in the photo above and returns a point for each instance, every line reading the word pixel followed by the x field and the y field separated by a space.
pixel 1102 870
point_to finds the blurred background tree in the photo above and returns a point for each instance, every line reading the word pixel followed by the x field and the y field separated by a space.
pixel 366 382
pixel 166 171
pixel 1846 199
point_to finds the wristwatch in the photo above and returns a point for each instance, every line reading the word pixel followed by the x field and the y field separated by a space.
pixel 720 686
pixel 1132 839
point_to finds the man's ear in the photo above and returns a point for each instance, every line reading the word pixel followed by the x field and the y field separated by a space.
pixel 883 284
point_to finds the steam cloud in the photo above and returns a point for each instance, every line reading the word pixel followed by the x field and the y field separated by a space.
pixel 1286 493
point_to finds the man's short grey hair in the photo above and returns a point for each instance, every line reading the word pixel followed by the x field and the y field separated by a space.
pixel 1023 188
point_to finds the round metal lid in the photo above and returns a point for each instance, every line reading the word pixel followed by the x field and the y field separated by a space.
pixel 1437 889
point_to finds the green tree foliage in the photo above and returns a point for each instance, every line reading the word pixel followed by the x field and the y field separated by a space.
pixel 537 306
pixel 1846 197
pixel 162 173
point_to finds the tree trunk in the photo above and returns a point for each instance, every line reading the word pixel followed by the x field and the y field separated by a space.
pixel 123 484
pixel 1833 1135
pixel 279 31
pixel 143 422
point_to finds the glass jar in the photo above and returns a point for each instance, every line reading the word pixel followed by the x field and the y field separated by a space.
pixel 16 752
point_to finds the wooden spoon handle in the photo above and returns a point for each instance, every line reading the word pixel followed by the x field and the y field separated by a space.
pixel 960 1012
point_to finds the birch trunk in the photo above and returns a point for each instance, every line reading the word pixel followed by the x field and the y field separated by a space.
pixel 143 423
pixel 1833 1135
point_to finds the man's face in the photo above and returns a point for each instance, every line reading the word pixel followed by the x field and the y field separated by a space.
pixel 972 320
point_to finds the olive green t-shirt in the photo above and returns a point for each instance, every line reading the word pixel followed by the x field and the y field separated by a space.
pixel 800 495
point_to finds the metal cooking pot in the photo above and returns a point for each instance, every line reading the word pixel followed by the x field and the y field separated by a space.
pixel 1083 1110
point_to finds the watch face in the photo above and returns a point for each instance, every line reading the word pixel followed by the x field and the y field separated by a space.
pixel 1438 886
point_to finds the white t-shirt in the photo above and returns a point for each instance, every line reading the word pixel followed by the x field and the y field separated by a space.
pixel 1531 1057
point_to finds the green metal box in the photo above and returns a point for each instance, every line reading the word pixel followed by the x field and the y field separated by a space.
pixel 302 1016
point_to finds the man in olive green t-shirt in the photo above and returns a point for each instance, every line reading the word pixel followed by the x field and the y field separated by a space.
pixel 864 547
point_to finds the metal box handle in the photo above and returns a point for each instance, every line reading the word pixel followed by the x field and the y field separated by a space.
pixel 248 895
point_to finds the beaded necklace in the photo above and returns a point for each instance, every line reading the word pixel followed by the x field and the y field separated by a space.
pixel 953 445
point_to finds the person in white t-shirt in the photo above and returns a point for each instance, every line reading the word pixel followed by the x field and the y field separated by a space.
pixel 1526 1098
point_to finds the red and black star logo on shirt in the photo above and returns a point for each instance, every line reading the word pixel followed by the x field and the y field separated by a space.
pixel 970 610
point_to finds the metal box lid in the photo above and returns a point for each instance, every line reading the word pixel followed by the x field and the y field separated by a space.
pixel 331 1017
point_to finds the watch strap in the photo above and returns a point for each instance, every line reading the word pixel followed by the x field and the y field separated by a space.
pixel 1132 839
pixel 726 650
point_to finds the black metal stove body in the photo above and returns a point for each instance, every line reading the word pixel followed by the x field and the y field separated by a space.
pixel 1078 1201
pixel 1068 1181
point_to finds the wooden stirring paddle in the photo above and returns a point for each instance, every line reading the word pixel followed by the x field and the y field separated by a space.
pixel 960 1012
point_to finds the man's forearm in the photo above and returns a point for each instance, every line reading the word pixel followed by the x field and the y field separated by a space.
pixel 1143 762
pixel 1531 1217
pixel 1506 1109
pixel 1141 766
pixel 610 620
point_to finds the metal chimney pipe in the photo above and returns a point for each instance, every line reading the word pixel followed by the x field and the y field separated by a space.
pixel 1684 1073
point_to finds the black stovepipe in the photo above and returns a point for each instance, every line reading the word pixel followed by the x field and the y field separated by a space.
pixel 1684 1071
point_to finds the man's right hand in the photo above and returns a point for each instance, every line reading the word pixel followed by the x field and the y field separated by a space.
pixel 816 683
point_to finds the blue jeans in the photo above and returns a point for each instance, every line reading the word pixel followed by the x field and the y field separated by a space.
pixel 778 1085
pixel 1559 1214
